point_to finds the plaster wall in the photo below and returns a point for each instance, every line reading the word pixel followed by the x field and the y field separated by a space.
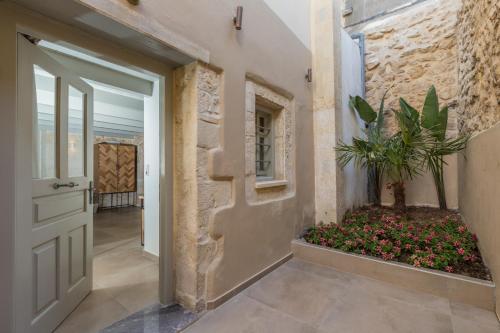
pixel 479 193
pixel 406 53
pixel 296 17
pixel 354 179
pixel 226 245
pixel 479 110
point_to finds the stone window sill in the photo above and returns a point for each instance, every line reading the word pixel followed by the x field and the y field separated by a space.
pixel 265 184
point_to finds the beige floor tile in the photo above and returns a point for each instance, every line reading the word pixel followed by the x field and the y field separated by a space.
pixel 467 318
pixel 299 294
pixel 246 315
pixel 96 311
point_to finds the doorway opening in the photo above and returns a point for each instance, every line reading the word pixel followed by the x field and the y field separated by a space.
pixel 124 127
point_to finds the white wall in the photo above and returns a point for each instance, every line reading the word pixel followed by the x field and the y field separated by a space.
pixel 296 15
pixel 152 171
pixel 355 179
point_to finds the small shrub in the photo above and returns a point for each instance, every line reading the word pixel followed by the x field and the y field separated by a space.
pixel 442 243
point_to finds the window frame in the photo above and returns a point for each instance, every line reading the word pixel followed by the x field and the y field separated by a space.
pixel 259 109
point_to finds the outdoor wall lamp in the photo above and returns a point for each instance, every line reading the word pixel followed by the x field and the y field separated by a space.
pixel 238 19
pixel 309 75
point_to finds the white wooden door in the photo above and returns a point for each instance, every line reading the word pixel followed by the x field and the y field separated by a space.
pixel 53 236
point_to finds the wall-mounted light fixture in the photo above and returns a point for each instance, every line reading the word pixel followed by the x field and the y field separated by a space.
pixel 238 19
pixel 309 75
pixel 133 2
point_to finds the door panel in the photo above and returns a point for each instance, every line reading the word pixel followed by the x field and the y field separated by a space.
pixel 54 215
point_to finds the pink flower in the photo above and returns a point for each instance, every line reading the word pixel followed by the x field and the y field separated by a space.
pixel 461 251
pixel 416 263
pixel 456 244
pixel 408 246
pixel 461 229
pixel 449 269
pixel 474 237
pixel 363 252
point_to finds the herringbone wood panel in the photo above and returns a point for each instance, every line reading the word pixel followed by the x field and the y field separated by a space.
pixel 126 168
pixel 107 159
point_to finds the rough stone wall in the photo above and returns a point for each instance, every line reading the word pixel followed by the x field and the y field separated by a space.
pixel 409 51
pixel 197 130
pixel 479 65
pixel 283 183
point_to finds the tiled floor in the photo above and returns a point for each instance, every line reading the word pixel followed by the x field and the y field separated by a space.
pixel 308 298
pixel 125 281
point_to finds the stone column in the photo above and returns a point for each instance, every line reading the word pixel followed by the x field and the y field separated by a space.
pixel 325 31
pixel 197 196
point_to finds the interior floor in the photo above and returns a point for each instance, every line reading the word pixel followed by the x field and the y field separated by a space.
pixel 125 279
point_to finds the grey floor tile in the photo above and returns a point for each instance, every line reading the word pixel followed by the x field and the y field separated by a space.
pixel 243 314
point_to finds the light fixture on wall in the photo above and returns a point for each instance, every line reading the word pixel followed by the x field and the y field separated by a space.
pixel 238 19
pixel 309 75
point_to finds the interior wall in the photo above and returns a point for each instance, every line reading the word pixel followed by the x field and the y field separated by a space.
pixel 12 19
pixel 152 171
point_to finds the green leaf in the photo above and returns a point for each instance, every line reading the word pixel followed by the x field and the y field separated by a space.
pixel 430 112
pixel 380 117
pixel 409 111
pixel 443 123
pixel 364 109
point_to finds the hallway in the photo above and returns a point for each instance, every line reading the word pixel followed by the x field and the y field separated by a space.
pixel 125 279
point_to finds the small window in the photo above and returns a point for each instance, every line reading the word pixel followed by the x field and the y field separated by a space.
pixel 264 144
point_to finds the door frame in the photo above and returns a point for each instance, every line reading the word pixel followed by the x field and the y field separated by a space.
pixel 41 28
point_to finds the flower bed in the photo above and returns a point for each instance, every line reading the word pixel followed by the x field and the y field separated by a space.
pixel 422 237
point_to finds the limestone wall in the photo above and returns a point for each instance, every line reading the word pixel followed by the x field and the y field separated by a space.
pixel 197 116
pixel 406 53
pixel 479 65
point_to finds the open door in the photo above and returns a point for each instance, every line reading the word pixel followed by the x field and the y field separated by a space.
pixel 53 235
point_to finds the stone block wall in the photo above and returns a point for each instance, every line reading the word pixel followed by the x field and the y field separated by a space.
pixel 405 53
pixel 479 65
pixel 197 130
pixel 409 51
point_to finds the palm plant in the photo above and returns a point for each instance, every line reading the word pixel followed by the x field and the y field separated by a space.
pixel 367 153
pixel 437 145
pixel 403 152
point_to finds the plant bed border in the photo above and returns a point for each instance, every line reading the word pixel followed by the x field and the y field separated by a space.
pixel 455 287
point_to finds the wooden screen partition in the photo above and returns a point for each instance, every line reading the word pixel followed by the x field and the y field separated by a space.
pixel 127 157
pixel 115 170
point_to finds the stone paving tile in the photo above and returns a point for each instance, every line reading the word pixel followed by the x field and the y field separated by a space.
pixel 243 314
pixel 305 297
